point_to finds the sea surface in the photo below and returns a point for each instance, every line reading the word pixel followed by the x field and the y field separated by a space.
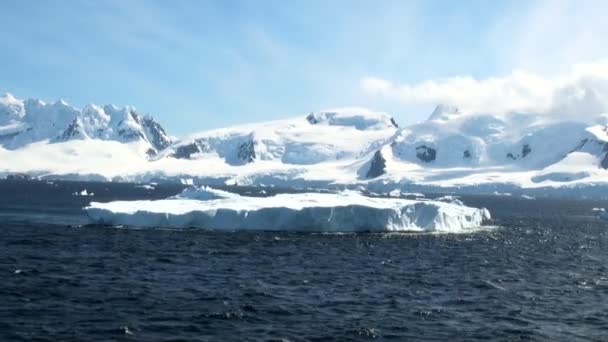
pixel 542 275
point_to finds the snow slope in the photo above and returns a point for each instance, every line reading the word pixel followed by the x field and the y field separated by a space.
pixel 342 212
pixel 319 137
pixel 453 151
pixel 30 121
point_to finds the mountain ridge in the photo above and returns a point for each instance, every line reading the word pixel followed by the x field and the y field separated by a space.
pixel 23 122
pixel 453 148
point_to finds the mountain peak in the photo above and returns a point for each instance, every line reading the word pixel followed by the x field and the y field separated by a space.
pixel 359 118
pixel 32 120
pixel 11 108
pixel 8 98
pixel 443 112
pixel 61 103
pixel 34 102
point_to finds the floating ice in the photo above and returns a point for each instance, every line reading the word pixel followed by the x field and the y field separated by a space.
pixel 450 199
pixel 343 212
pixel 146 186
pixel 83 193
pixel 602 214
pixel 205 193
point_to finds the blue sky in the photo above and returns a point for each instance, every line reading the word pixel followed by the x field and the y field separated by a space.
pixel 203 64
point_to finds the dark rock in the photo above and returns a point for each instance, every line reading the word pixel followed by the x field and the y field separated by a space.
pixel 377 166
pixel 151 153
pixel 246 151
pixel 157 135
pixel 580 145
pixel 394 123
pixel 135 116
pixel 186 151
pixel 128 134
pixel 312 119
pixel 466 154
pixel 525 150
pixel 426 154
pixel 604 163
pixel 74 130
pixel 510 155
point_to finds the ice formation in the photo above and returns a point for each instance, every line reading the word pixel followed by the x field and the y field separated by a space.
pixel 347 211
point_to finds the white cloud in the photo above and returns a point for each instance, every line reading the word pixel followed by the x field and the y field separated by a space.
pixel 549 36
pixel 582 91
pixel 375 86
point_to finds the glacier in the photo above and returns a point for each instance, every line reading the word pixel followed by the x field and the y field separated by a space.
pixel 24 122
pixel 453 151
pixel 346 211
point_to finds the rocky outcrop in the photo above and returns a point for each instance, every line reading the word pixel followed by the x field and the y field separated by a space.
pixel 394 123
pixel 525 150
pixel 74 131
pixel 604 162
pixel 377 166
pixel 128 135
pixel 466 154
pixel 151 153
pixel 186 151
pixel 311 119
pixel 156 133
pixel 246 151
pixel 426 154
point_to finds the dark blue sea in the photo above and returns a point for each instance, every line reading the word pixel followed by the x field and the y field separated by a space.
pixel 541 276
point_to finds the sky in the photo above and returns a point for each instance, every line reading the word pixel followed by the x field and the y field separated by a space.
pixel 197 65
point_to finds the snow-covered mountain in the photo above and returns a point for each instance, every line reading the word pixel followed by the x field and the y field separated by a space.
pixel 343 134
pixel 453 150
pixel 450 138
pixel 31 121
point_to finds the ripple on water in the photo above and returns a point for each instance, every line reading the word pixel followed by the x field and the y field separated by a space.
pixel 541 276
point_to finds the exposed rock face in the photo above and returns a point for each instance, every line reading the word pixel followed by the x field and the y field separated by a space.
pixel 74 131
pixel 246 151
pixel 186 151
pixel 34 120
pixel 426 154
pixel 604 163
pixel 580 145
pixel 466 154
pixel 377 166
pixel 156 133
pixel 128 132
pixel 311 119
pixel 394 123
pixel 151 153
pixel 525 150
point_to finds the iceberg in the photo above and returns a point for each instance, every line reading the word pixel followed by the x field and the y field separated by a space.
pixel 347 211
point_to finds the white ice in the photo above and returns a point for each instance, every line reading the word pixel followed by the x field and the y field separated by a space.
pixel 342 212
pixel 83 193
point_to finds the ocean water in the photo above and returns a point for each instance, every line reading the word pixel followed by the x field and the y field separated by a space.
pixel 542 275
